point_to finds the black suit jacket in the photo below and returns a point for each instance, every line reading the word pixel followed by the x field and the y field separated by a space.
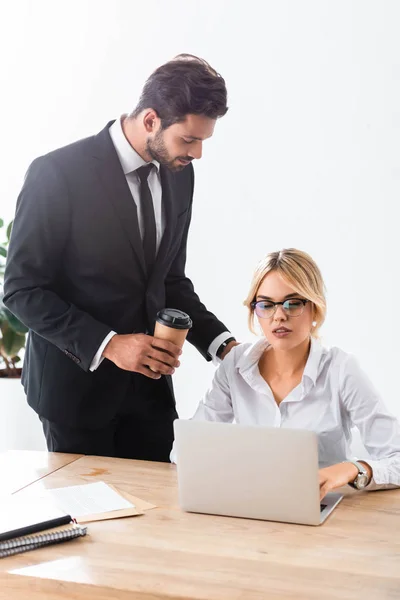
pixel 76 271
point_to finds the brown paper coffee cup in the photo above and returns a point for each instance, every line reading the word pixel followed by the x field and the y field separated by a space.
pixel 172 325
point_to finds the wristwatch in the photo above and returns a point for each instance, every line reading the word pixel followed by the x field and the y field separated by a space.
pixel 224 345
pixel 362 479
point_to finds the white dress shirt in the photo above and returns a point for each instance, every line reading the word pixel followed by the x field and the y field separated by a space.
pixel 334 396
pixel 131 161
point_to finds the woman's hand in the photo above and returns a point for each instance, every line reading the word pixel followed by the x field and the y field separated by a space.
pixel 336 476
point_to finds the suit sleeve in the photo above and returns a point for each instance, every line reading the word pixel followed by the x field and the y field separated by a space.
pixel 180 294
pixel 34 267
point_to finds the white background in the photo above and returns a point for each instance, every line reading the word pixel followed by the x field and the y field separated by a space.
pixel 308 155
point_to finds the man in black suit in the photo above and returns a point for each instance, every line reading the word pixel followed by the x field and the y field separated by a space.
pixel 98 247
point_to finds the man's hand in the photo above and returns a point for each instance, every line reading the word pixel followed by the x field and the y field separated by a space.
pixel 144 354
pixel 338 475
pixel 228 348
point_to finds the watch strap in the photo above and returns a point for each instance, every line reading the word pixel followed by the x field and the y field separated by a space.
pixel 224 345
pixel 361 469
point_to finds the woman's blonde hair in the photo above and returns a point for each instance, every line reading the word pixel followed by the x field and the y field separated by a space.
pixel 301 273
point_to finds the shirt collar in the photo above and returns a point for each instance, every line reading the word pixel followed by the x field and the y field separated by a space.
pixel 313 361
pixel 252 355
pixel 128 157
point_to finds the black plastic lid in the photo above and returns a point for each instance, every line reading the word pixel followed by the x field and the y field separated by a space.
pixel 171 317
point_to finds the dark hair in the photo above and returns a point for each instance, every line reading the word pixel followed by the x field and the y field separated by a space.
pixel 185 85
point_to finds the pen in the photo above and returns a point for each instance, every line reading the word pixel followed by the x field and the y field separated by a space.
pixel 9 535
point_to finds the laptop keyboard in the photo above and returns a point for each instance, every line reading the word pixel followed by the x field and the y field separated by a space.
pixel 323 506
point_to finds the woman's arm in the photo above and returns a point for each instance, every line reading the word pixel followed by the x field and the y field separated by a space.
pixel 379 429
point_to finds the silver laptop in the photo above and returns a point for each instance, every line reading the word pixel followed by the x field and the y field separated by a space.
pixel 250 471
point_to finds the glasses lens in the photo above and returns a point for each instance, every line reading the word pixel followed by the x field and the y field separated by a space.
pixel 264 309
pixel 293 307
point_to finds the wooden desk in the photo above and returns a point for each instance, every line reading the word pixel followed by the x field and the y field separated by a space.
pixel 19 468
pixel 167 553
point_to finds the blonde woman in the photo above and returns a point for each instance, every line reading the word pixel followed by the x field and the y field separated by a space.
pixel 288 379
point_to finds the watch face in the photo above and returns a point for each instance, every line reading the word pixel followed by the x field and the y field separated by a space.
pixel 361 481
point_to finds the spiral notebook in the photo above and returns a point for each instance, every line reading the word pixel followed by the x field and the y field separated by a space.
pixel 37 540
pixel 26 525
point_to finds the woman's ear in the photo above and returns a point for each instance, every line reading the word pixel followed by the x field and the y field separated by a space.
pixel 314 323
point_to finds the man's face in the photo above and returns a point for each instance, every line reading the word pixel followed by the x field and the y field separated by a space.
pixel 181 143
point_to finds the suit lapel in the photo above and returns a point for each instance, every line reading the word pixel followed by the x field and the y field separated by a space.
pixel 114 180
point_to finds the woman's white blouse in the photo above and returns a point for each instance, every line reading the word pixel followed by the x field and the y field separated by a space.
pixel 334 396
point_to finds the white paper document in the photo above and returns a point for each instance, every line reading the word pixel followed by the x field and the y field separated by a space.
pixel 89 499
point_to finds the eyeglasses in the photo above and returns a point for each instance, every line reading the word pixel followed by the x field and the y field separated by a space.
pixel 265 309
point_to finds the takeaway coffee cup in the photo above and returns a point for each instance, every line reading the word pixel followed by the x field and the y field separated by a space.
pixel 172 325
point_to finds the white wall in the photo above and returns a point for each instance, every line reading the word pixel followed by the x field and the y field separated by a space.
pixel 308 155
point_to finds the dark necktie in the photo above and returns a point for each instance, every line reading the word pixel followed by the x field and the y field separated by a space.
pixel 149 221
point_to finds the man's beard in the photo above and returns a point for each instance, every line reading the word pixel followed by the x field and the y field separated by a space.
pixel 157 150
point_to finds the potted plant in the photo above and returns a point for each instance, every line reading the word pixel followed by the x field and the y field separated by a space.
pixel 12 331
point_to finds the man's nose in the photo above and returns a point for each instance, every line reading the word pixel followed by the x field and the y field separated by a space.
pixel 197 151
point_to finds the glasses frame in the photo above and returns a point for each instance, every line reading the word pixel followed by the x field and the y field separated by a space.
pixel 276 304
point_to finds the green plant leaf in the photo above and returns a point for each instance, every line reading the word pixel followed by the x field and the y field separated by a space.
pixel 3 251
pixel 8 233
pixel 12 342
pixel 3 316
pixel 1 223
pixel 15 323
pixel 7 317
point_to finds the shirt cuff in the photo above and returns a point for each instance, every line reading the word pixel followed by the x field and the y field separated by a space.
pixel 98 358
pixel 380 476
pixel 213 347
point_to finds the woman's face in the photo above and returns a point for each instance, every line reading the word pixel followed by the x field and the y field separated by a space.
pixel 283 330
